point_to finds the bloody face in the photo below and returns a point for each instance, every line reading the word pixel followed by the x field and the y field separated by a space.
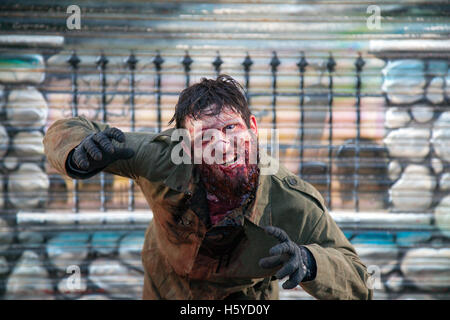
pixel 228 168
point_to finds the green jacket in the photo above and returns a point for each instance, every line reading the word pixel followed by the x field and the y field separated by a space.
pixel 174 266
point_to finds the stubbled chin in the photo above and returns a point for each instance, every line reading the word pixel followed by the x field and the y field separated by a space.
pixel 230 168
pixel 228 187
pixel 228 181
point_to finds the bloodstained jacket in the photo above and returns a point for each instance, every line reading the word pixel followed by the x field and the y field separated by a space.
pixel 173 263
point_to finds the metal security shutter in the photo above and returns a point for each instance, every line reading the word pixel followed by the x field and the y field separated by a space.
pixel 344 96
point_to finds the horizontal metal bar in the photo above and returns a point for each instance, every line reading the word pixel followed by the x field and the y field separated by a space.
pixel 169 93
pixel 383 220
pixel 345 219
pixel 32 41
pixel 285 146
pixel 84 218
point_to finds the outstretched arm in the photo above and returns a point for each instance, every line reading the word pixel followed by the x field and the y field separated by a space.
pixel 67 142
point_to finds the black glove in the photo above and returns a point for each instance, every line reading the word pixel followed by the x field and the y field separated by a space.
pixel 298 262
pixel 97 151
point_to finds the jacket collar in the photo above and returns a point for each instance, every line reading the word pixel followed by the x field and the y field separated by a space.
pixel 180 176
pixel 262 198
pixel 183 177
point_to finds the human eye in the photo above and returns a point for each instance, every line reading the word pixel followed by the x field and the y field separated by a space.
pixel 230 127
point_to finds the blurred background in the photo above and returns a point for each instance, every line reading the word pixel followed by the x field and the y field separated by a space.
pixel 358 91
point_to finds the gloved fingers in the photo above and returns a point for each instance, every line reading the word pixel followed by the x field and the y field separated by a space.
pixel 80 158
pixel 294 280
pixel 285 247
pixel 115 134
pixel 92 149
pixel 270 262
pixel 123 153
pixel 286 270
pixel 278 233
pixel 104 142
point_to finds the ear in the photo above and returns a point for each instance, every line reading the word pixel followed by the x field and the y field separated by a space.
pixel 253 125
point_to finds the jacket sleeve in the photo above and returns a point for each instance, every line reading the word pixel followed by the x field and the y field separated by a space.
pixel 340 272
pixel 65 134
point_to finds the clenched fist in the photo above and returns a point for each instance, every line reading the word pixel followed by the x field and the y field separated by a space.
pixel 97 150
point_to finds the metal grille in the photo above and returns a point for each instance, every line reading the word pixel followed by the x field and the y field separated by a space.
pixel 331 118
pixel 305 170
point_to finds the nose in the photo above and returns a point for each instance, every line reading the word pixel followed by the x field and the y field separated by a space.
pixel 222 145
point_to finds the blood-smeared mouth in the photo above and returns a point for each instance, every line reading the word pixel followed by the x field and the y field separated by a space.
pixel 231 163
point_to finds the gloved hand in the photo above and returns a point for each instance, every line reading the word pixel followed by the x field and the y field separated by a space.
pixel 298 263
pixel 97 150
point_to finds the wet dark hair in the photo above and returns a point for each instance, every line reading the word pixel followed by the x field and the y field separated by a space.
pixel 222 92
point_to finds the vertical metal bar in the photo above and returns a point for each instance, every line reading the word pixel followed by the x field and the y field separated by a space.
pixel 359 64
pixel 158 61
pixel 187 61
pixel 74 61
pixel 274 62
pixel 102 61
pixel 247 64
pixel 131 62
pixel 330 67
pixel 302 66
pixel 217 63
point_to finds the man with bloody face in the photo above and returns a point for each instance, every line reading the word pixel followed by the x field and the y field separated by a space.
pixel 224 226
